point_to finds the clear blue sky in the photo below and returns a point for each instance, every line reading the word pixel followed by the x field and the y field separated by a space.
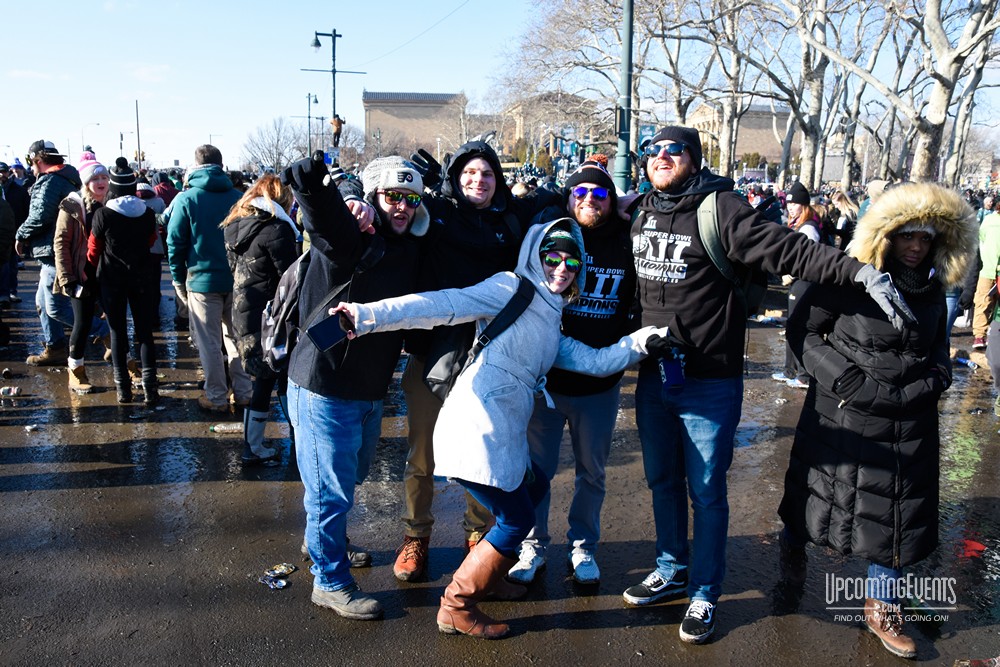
pixel 223 68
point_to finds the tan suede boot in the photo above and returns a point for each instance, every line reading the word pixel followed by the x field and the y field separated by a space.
pixel 78 381
pixel 55 355
pixel 886 623
pixel 475 577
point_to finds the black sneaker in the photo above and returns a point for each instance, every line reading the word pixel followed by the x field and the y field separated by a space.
pixel 654 587
pixel 699 622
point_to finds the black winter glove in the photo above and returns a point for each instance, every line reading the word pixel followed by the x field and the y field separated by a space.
pixel 306 176
pixel 429 168
pixel 662 347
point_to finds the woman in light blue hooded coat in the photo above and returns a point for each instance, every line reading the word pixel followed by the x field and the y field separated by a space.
pixel 481 434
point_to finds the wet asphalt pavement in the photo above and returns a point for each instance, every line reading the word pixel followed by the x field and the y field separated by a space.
pixel 133 536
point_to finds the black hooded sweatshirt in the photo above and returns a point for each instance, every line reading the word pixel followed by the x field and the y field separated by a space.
pixel 465 245
pixel 680 287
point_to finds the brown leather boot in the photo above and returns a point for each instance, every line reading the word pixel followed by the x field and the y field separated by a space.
pixel 507 590
pixel 55 355
pixel 886 623
pixel 475 577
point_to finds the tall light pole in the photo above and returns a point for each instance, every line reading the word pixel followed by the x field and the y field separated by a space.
pixel 83 142
pixel 333 35
pixel 623 116
pixel 310 101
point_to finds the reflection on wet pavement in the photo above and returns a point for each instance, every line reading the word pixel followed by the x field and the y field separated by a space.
pixel 122 521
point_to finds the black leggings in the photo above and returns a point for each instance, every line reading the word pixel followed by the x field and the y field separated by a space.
pixel 260 399
pixel 117 299
pixel 83 316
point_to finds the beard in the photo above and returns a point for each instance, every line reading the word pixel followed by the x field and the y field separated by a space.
pixel 666 180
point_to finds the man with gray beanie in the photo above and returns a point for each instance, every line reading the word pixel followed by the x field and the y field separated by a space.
pixel 335 394
pixel 687 435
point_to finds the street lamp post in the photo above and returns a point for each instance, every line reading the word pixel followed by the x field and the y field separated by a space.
pixel 310 100
pixel 83 142
pixel 333 35
pixel 623 169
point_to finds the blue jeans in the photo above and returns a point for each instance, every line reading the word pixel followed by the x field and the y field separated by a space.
pixel 55 311
pixel 687 448
pixel 881 583
pixel 334 439
pixel 514 510
pixel 951 297
pixel 591 421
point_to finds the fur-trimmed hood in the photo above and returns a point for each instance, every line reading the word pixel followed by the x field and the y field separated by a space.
pixel 924 204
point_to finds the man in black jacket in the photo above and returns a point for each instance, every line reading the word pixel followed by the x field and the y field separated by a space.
pixel 687 436
pixel 476 231
pixel 18 199
pixel 335 395
pixel 587 404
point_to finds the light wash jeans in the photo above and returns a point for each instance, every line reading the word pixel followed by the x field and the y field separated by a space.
pixel 334 441
pixel 687 448
pixel 55 311
pixel 212 326
pixel 591 421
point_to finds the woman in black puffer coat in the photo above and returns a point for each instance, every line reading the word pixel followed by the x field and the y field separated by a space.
pixel 863 475
pixel 260 244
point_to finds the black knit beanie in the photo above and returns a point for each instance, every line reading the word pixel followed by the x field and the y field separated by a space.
pixel 797 194
pixel 123 179
pixel 559 238
pixel 685 135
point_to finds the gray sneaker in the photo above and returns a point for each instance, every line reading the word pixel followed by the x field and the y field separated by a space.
pixel 528 565
pixel 349 602
pixel 585 570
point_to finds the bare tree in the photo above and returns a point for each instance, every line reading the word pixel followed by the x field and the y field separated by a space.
pixel 275 145
pixel 938 26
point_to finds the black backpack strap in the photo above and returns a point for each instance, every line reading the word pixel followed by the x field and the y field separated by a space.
pixel 506 317
pixel 371 256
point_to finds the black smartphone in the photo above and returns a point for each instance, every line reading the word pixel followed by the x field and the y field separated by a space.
pixel 328 332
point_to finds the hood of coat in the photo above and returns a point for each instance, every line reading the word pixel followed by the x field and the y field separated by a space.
pixel 130 206
pixel 240 233
pixel 920 204
pixel 210 177
pixel 473 149
pixel 529 262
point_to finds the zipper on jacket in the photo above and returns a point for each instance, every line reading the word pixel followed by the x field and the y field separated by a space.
pixel 897 532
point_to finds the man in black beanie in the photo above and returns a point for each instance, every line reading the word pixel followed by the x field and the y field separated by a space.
pixel 687 437
pixel 587 405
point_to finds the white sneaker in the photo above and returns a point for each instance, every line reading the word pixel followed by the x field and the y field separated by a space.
pixel 530 562
pixel 585 570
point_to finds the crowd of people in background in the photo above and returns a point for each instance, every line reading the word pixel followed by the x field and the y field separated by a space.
pixel 617 278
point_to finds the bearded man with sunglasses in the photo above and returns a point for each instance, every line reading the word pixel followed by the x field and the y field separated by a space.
pixel 687 436
pixel 588 405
